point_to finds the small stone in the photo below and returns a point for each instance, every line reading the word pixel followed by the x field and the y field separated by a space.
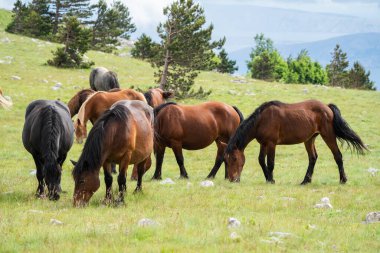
pixel 324 205
pixel 16 78
pixel 372 217
pixel 188 185
pixel 35 211
pixel 305 91
pixel 145 222
pixel 55 88
pixel 33 172
pixel 311 226
pixel 58 84
pixel 167 181
pixel 280 234
pixel 207 183
pixel 5 40
pixel 56 222
pixel 260 197
pixel 288 198
pixel 372 171
pixel 235 237
pixel 233 222
pixel 44 81
pixel 325 200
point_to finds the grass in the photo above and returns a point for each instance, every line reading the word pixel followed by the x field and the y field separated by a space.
pixel 191 218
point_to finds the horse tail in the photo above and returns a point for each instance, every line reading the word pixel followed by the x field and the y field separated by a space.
pixel 239 113
pixel 92 78
pixel 344 132
pixel 113 82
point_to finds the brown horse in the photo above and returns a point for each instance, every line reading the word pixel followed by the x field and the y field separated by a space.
pixel 193 127
pixel 156 96
pixel 123 134
pixel 4 102
pixel 275 123
pixel 97 104
pixel 76 102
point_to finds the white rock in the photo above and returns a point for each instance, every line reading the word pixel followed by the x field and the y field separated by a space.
pixel 233 222
pixel 288 198
pixel 56 222
pixel 33 172
pixel 372 217
pixel 312 226
pixel 44 81
pixel 35 211
pixel 325 200
pixel 305 91
pixel 55 88
pixel 145 222
pixel 16 78
pixel 207 183
pixel 280 234
pixel 372 171
pixel 234 236
pixel 58 84
pixel 324 205
pixel 188 185
pixel 167 181
pixel 5 40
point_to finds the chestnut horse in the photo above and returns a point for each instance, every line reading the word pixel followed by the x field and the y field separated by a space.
pixel 193 127
pixel 97 104
pixel 156 96
pixel 276 123
pixel 76 102
pixel 123 135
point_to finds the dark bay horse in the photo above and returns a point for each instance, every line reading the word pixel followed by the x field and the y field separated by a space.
pixel 102 79
pixel 276 123
pixel 76 102
pixel 156 96
pixel 193 127
pixel 97 104
pixel 123 135
pixel 48 136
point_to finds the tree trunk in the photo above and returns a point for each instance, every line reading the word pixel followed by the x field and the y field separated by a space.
pixel 164 76
pixel 56 17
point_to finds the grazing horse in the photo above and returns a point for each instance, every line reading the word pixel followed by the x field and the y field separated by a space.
pixel 124 135
pixel 156 96
pixel 97 104
pixel 48 136
pixel 193 127
pixel 102 79
pixel 76 102
pixel 276 123
pixel 4 102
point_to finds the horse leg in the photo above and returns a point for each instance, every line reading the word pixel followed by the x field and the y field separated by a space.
pixel 330 140
pixel 148 163
pixel 180 161
pixel 108 181
pixel 61 160
pixel 159 153
pixel 140 173
pixel 271 149
pixel 218 160
pixel 122 179
pixel 313 156
pixel 262 155
pixel 113 168
pixel 40 177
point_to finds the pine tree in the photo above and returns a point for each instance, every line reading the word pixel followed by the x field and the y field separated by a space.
pixel 358 78
pixel 226 65
pixel 185 47
pixel 80 9
pixel 58 9
pixel 337 69
pixel 76 39
pixel 145 48
pixel 19 11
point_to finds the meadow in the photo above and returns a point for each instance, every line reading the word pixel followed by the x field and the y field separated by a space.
pixel 190 218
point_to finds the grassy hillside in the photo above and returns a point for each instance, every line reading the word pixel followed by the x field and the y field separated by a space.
pixel 191 218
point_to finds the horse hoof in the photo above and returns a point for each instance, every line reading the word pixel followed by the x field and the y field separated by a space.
pixel 184 177
pixel 271 181
pixel 134 178
pixel 343 181
pixel 156 178
pixel 137 191
pixel 40 196
pixel 107 202
pixel 305 182
pixel 119 202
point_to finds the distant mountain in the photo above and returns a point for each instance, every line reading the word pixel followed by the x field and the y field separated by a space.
pixel 362 47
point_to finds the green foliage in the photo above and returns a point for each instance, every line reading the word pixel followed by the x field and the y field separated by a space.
pixel 185 47
pixel 110 24
pixel 262 44
pixel 358 78
pixel 76 40
pixel 226 65
pixel 145 48
pixel 268 65
pixel 337 69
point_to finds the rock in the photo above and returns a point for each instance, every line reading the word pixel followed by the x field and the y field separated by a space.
pixel 145 222
pixel 16 78
pixel 373 171
pixel 44 81
pixel 288 198
pixel 232 92
pixel 123 54
pixel 325 200
pixel 272 240
pixel 372 217
pixel 33 172
pixel 250 94
pixel 167 181
pixel 188 185
pixel 207 183
pixel 56 222
pixel 260 197
pixel 323 205
pixel 280 234
pixel 5 40
pixel 311 226
pixel 35 211
pixel 233 222
pixel 58 84
pixel 235 237
pixel 55 88
pixel 305 91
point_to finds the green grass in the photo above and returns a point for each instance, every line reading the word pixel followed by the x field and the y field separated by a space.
pixel 192 218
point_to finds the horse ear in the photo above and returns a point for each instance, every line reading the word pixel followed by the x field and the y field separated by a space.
pixel 73 162
pixel 168 94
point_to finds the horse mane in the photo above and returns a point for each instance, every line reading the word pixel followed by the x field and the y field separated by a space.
pixel 91 157
pixel 240 139
pixel 148 97
pixel 82 109
pixel 75 102
pixel 51 124
pixel 160 107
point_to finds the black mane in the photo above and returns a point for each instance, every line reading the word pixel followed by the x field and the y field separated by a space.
pixel 148 97
pixel 160 107
pixel 91 156
pixel 240 138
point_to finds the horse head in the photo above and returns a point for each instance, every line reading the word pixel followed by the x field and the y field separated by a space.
pixel 159 96
pixel 86 183
pixel 234 160
pixel 80 131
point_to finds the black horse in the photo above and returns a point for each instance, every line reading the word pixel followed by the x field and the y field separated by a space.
pixel 48 135
pixel 102 79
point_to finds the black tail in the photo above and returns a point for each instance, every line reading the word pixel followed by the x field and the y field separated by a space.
pixel 344 132
pixel 239 113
